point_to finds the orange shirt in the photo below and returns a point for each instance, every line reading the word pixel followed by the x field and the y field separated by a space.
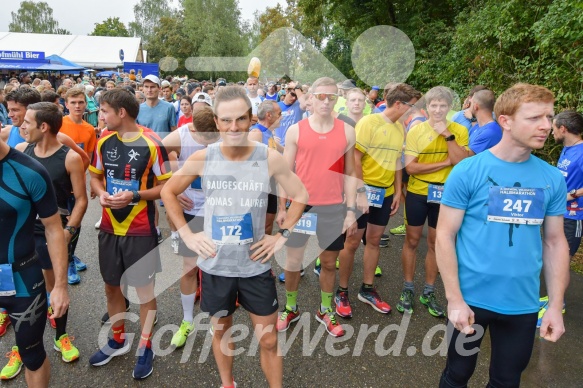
pixel 82 134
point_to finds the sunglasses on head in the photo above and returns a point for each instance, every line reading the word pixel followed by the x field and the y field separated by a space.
pixel 329 96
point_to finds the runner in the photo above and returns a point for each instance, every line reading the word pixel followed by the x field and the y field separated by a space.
pixel 182 143
pixel 27 192
pixel 432 148
pixel 83 134
pixel 321 148
pixel 292 109
pixel 128 234
pixel 503 196
pixel 41 124
pixel 252 86
pixel 486 133
pixel 379 141
pixel 233 249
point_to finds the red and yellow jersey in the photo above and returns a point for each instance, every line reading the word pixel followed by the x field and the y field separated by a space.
pixel 127 165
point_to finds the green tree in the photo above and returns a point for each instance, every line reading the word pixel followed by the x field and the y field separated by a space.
pixel 110 27
pixel 147 14
pixel 35 18
pixel 170 40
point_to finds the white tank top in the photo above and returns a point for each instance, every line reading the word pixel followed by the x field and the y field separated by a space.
pixel 189 146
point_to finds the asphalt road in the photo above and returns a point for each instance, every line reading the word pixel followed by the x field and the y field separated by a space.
pixel 378 351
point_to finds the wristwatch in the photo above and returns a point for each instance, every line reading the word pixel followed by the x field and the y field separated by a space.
pixel 573 193
pixel 71 229
pixel 284 232
pixel 136 196
pixel 473 120
pixel 351 209
pixel 361 190
pixel 450 137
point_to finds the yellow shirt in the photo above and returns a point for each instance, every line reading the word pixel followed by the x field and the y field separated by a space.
pixel 381 144
pixel 429 147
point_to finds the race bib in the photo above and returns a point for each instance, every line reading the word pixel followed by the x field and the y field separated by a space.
pixel 434 193
pixel 6 280
pixel 307 224
pixel 196 184
pixel 115 186
pixel 81 145
pixel 375 196
pixel 232 230
pixel 516 205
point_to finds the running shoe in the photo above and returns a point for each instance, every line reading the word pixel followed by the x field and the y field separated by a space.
pixel 144 366
pixel 384 244
pixel 343 308
pixel 175 245
pixel 51 320
pixel 405 303
pixel 234 384
pixel 430 301
pixel 317 267
pixel 385 237
pixel 72 275
pixel 109 351
pixel 81 266
pixel 4 323
pixel 378 272
pixel 12 369
pixel 286 318
pixel 399 230
pixel 105 317
pixel 328 319
pixel 160 238
pixel 372 298
pixel 98 223
pixel 184 331
pixel 337 263
pixel 68 351
pixel 543 303
pixel 281 276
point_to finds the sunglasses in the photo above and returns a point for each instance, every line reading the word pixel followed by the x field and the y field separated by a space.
pixel 329 96
pixel 408 104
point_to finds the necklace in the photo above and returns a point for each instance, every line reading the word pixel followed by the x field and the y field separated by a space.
pixel 577 142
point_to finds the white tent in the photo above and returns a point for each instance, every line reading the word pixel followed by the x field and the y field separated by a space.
pixel 98 52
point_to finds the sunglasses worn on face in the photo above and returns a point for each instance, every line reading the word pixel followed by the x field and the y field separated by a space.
pixel 323 96
pixel 408 104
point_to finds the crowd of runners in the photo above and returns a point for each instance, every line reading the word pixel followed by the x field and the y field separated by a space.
pixel 245 170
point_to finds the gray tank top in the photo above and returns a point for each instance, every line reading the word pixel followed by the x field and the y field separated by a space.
pixel 234 211
pixel 189 146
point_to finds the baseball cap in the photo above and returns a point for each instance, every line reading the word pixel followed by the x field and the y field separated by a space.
pixel 202 97
pixel 222 83
pixel 375 88
pixel 165 83
pixel 152 78
pixel 348 84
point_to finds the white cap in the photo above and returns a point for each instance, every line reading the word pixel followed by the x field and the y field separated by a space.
pixel 152 78
pixel 203 97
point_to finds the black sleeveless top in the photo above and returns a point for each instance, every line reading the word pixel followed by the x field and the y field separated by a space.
pixel 55 165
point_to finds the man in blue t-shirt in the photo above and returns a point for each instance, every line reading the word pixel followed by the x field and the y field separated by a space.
pixel 156 114
pixel 489 245
pixel 567 129
pixel 486 133
pixel 291 111
pixel 464 116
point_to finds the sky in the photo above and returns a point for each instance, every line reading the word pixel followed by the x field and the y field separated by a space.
pixel 80 16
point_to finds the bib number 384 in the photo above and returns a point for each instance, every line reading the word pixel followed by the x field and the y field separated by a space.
pixel 516 205
pixel 232 229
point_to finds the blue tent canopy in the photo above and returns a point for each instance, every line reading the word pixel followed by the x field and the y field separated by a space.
pixel 35 65
pixel 57 60
pixel 106 73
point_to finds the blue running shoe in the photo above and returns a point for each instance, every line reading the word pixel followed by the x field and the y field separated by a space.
pixel 109 351
pixel 72 275
pixel 81 266
pixel 281 276
pixel 144 366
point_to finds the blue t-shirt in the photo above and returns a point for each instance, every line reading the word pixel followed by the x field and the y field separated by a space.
pixel 14 137
pixel 25 191
pixel 461 119
pixel 159 119
pixel 268 97
pixel 499 263
pixel 571 166
pixel 486 137
pixel 266 134
pixel 290 114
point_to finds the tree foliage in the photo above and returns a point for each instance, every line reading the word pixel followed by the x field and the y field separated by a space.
pixel 35 18
pixel 110 27
pixel 147 14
